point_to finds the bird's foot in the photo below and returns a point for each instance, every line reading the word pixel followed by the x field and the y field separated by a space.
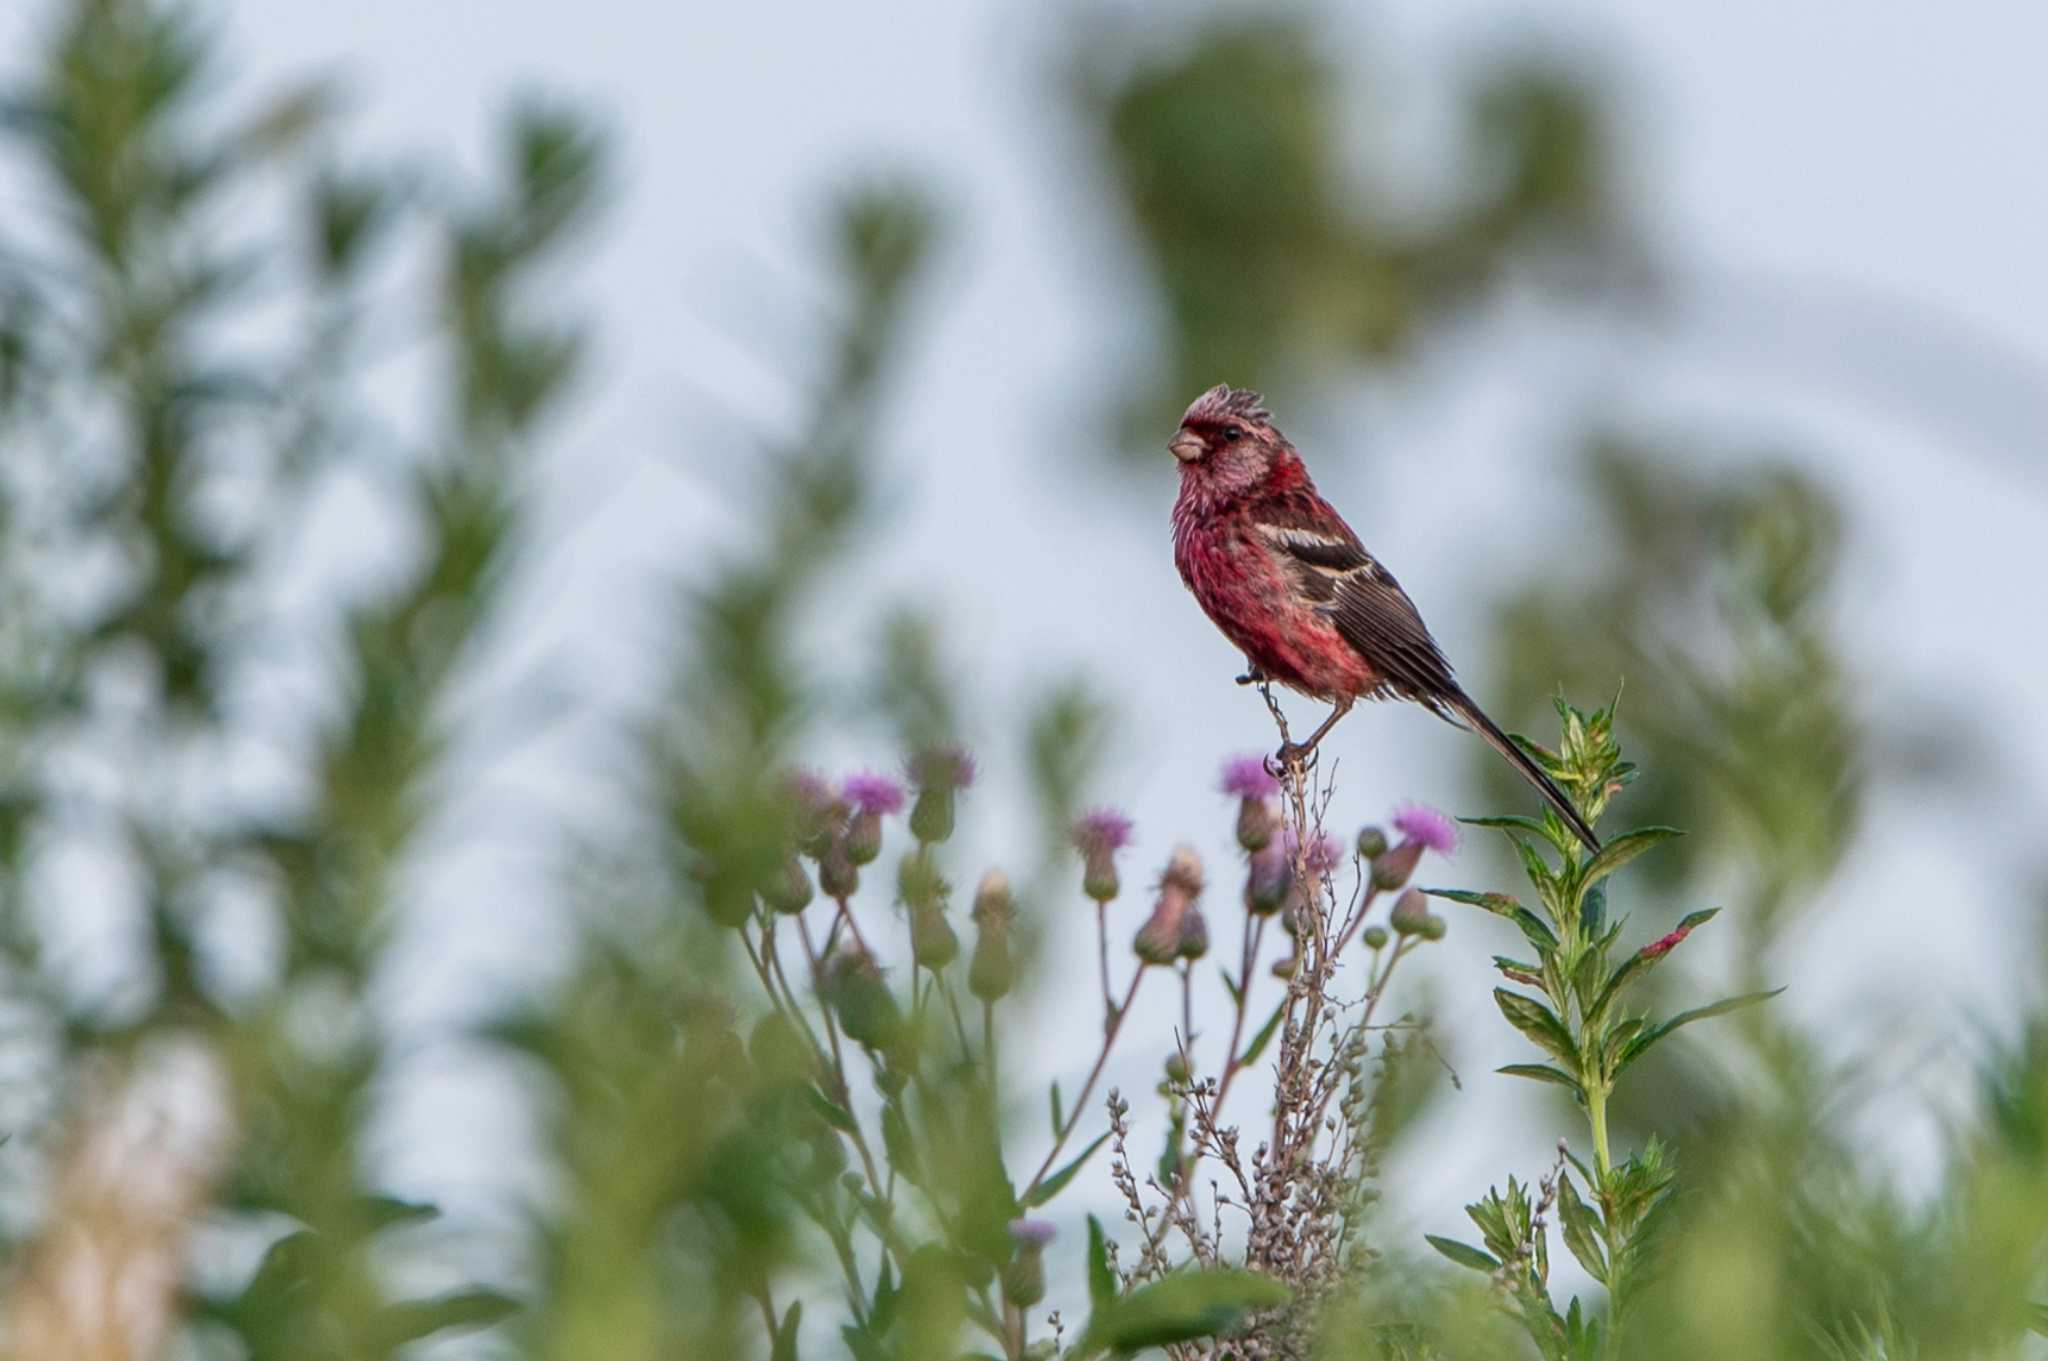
pixel 1252 676
pixel 1291 754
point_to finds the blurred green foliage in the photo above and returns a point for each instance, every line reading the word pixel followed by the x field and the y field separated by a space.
pixel 1232 154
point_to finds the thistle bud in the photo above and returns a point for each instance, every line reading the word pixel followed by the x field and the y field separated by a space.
pixel 1177 1068
pixel 991 972
pixel 931 817
pixel 836 872
pixel 863 837
pixel 867 1010
pixel 1391 870
pixel 872 798
pixel 1098 837
pixel 1159 940
pixel 1194 934
pixel 1372 842
pixel 992 904
pixel 1269 878
pixel 1254 785
pixel 1411 914
pixel 1255 824
pixel 1434 927
pixel 1375 937
pixel 1024 1277
pixel 789 889
pixel 932 940
pixel 918 881
pixel 1284 968
pixel 939 773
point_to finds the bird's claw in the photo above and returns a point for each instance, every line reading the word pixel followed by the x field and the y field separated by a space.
pixel 1290 754
pixel 1252 676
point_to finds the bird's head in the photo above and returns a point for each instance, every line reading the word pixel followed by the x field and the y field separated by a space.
pixel 1227 439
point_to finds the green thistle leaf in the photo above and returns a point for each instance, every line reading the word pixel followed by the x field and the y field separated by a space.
pixel 1540 1024
pixel 1464 1254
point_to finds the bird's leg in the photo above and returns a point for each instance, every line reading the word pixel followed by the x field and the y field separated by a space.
pixel 1298 751
pixel 1252 675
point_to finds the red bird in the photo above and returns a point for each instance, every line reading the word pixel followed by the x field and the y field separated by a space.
pixel 1292 587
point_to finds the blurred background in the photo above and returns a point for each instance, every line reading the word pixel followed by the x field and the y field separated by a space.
pixel 1694 352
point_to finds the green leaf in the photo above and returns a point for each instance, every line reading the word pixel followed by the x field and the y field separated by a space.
pixel 2037 1318
pixel 1464 1254
pixel 1058 1121
pixel 416 1319
pixel 1539 1023
pixel 1181 1307
pixel 1636 964
pixel 1622 849
pixel 1593 911
pixel 1642 1042
pixel 1581 1230
pixel 834 1114
pixel 1057 1182
pixel 785 1334
pixel 1263 1038
pixel 1533 864
pixel 1543 1072
pixel 1539 935
pixel 1101 1280
pixel 882 1309
pixel 860 1344
pixel 897 1143
pixel 1230 986
pixel 1548 831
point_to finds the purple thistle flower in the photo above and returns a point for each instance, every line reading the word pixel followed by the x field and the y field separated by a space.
pixel 1102 831
pixel 873 794
pixel 1032 1234
pixel 1247 778
pixel 947 768
pixel 1425 825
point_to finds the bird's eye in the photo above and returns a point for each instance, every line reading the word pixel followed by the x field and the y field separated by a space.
pixel 1232 434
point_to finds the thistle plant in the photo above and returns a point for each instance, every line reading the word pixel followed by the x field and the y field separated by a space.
pixel 1571 1001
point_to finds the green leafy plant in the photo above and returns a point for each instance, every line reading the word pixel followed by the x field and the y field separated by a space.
pixel 1580 1019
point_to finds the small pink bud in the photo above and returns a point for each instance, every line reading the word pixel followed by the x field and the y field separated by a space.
pixel 1267 880
pixel 1410 915
pixel 1664 945
pixel 1391 870
pixel 1159 940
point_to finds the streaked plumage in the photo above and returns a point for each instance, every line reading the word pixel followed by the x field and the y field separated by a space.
pixel 1290 584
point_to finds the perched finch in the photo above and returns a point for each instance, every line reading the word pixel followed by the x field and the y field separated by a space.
pixel 1291 586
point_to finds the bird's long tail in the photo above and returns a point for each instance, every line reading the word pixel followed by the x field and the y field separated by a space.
pixel 1462 705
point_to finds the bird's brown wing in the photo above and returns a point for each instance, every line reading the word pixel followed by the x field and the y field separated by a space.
pixel 1335 575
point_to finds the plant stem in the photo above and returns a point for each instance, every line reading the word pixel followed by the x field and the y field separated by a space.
pixel 1102 952
pixel 1116 1023
pixel 1596 1108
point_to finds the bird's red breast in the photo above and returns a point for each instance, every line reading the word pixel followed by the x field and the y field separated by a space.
pixel 1225 549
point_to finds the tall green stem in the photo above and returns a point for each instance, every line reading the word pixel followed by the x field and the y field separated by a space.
pixel 1596 1106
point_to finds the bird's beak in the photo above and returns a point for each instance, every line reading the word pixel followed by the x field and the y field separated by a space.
pixel 1185 447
